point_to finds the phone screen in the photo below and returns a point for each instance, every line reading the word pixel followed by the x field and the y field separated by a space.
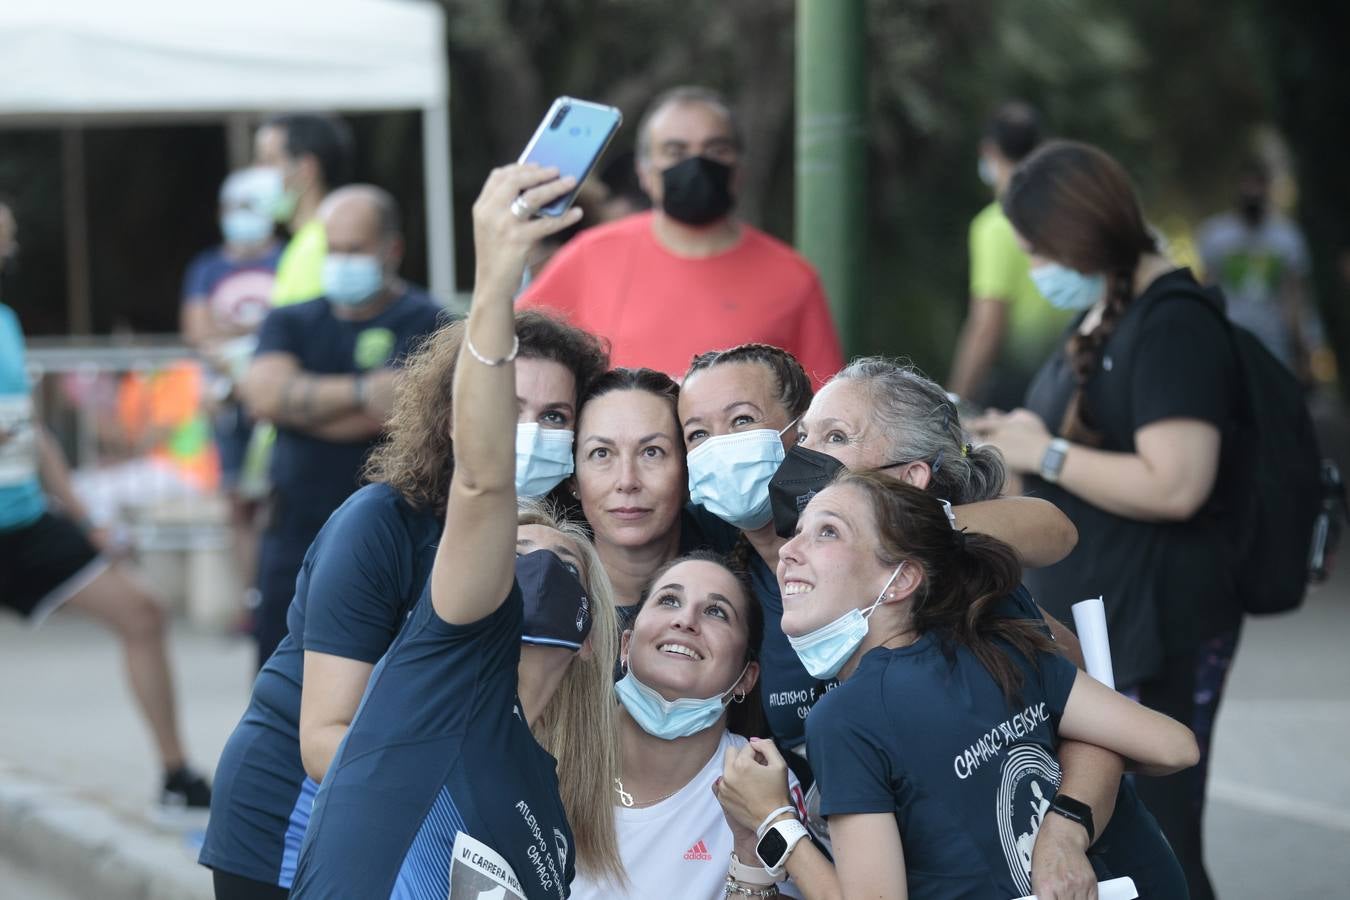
pixel 571 138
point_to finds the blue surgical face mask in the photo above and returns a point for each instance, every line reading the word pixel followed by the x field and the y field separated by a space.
pixel 985 170
pixel 729 475
pixel 350 279
pixel 244 226
pixel 824 651
pixel 1066 289
pixel 670 719
pixel 543 458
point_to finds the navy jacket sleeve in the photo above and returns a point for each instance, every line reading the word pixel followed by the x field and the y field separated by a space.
pixel 275 333
pixel 1057 675
pixel 852 765
pixel 358 580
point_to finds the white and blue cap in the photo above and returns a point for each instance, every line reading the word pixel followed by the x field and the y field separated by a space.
pixel 557 610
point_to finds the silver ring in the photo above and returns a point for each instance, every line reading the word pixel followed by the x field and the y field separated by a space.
pixel 520 209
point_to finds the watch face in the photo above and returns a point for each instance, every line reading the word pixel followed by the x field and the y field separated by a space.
pixel 771 848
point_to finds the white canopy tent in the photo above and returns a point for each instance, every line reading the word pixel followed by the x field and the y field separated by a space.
pixel 72 63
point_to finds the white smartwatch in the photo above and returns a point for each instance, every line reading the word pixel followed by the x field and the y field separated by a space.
pixel 1052 463
pixel 777 844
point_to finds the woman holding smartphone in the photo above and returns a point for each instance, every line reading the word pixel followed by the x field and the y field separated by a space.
pixel 364 572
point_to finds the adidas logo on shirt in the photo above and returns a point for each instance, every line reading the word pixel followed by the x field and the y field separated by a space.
pixel 698 851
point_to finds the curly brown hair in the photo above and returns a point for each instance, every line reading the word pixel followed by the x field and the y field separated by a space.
pixel 417 457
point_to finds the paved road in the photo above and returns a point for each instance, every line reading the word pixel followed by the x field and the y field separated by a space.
pixel 18 881
pixel 1279 822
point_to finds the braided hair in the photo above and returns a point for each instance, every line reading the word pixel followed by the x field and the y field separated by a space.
pixel 1074 204
pixel 794 393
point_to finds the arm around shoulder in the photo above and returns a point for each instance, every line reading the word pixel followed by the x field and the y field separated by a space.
pixel 1157 744
pixel 1038 530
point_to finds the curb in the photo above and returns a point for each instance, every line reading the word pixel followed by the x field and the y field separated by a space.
pixel 90 849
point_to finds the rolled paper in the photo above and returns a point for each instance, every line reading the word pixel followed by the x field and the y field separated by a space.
pixel 1089 619
pixel 1115 889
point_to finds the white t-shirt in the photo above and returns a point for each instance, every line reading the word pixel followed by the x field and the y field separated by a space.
pixel 681 846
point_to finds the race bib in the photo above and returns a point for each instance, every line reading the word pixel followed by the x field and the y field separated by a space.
pixel 18 441
pixel 477 872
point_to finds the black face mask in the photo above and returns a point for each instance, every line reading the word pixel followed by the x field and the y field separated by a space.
pixel 802 474
pixel 696 191
pixel 557 610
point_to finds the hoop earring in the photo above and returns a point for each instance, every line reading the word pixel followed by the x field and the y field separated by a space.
pixel 738 698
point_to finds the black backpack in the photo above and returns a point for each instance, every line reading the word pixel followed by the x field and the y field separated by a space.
pixel 1282 467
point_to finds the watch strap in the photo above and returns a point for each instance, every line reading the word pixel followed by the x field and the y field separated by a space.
pixel 768 820
pixel 1077 811
pixel 755 874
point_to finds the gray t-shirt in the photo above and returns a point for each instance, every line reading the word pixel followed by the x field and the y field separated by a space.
pixel 1252 264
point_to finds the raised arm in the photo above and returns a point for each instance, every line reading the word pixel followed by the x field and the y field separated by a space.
pixel 475 562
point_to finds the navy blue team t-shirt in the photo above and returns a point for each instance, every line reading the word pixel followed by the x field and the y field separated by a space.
pixel 925 733
pixel 440 757
pixel 360 577
pixel 313 476
pixel 928 736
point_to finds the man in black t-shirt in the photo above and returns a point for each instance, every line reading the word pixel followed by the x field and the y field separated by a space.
pixel 325 374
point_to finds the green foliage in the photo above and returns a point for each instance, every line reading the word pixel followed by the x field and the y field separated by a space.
pixel 1172 89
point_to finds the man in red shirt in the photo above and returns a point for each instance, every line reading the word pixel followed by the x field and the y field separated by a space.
pixel 688 277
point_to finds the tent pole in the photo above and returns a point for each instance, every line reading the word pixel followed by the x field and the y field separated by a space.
pixel 238 140
pixel 439 199
pixel 79 308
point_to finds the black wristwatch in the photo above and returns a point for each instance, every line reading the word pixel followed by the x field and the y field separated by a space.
pixel 1077 811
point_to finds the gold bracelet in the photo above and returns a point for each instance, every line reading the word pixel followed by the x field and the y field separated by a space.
pixel 494 363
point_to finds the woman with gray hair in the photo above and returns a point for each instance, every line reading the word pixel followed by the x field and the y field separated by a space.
pixel 885 415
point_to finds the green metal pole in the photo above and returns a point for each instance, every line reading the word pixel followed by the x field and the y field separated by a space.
pixel 831 196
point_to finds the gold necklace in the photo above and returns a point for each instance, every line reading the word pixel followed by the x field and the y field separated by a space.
pixel 630 803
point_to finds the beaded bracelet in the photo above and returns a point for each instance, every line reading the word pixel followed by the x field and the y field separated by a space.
pixel 735 888
pixel 494 363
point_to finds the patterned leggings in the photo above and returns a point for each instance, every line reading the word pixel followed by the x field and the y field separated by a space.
pixel 1188 689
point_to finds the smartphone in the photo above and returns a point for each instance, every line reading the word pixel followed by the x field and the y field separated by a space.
pixel 571 138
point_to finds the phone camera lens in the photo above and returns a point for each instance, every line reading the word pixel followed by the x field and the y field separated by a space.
pixel 558 119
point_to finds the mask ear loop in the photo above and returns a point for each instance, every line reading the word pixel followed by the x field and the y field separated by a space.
pixel 737 698
pixel 882 595
pixel 784 429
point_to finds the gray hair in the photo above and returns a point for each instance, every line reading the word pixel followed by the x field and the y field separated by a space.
pixel 678 96
pixel 921 424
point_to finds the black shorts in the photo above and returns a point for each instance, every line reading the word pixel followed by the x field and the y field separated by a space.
pixel 44 564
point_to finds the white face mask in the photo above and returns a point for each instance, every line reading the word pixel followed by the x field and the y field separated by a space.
pixel 543 458
pixel 824 651
pixel 729 475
